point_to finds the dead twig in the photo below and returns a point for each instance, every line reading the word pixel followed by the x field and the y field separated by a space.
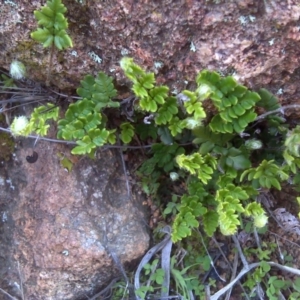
pixel 7 294
pixel 21 282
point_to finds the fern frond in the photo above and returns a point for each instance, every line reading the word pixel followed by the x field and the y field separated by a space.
pixel 53 25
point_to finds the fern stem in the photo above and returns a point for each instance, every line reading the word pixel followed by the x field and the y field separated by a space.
pixel 50 65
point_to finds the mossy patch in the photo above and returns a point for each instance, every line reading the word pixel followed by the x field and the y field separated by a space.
pixel 7 145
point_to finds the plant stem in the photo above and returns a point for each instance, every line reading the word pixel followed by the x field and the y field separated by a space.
pixel 50 65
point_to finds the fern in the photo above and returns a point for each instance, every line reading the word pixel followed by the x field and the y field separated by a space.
pixel 84 120
pixel 196 164
pixel 189 210
pixel 53 25
pixel 127 132
pixel 267 100
pixel 166 112
pixel 217 169
pixel 52 31
pixel 234 102
pixel 38 123
pixel 267 174
pixel 229 207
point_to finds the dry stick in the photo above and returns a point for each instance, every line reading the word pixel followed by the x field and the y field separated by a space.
pixel 14 107
pixel 232 283
pixel 106 289
pixel 207 292
pixel 267 275
pixel 21 282
pixel 280 109
pixel 240 251
pixel 125 173
pixel 238 246
pixel 248 268
pixel 165 265
pixel 259 288
pixel 74 143
pixel 10 296
pixel 233 274
pixel 233 269
pixel 286 240
pixel 210 258
pixel 24 99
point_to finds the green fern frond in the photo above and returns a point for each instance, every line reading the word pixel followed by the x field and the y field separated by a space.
pixel 234 102
pixel 268 101
pixel 53 25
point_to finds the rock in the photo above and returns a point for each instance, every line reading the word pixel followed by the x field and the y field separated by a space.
pixel 257 41
pixel 57 225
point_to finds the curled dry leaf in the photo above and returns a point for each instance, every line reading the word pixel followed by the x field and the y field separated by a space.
pixel 288 221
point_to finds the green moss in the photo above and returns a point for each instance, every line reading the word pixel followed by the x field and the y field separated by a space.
pixel 7 145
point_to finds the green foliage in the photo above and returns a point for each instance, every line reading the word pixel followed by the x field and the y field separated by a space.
pixel 267 100
pixel 143 87
pixel 221 169
pixel 127 132
pixel 166 111
pixel 40 116
pixel 193 106
pixel 53 25
pixel 85 121
pixel 234 102
pixel 6 81
pixel 221 163
pixel 275 286
pixel 65 162
pixel 99 90
pixel 156 99
pixel 202 166
pixel 229 207
pixel 38 123
pixel 190 209
pixel 266 175
pixel 257 275
pixel 291 153
pixel 183 284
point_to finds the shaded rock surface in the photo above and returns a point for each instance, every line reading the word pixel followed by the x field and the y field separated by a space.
pixel 258 41
pixel 58 226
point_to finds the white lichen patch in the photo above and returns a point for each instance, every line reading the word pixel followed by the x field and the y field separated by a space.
pixel 95 57
pixel 252 18
pixel 74 53
pixel 11 3
pixel 4 217
pixel 10 184
pixel 158 65
pixel 271 42
pixel 243 20
pixel 192 47
pixel 97 195
pixel 124 51
pixel 279 92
